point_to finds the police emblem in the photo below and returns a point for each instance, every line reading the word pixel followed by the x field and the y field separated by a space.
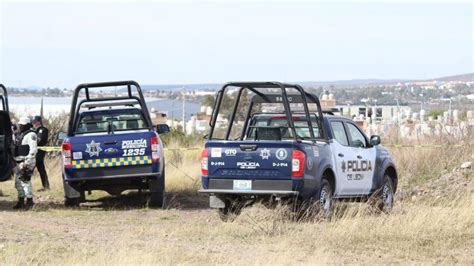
pixel 265 154
pixel 93 149
pixel 281 154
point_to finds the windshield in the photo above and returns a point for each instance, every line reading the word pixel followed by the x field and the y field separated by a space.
pixel 121 120
pixel 264 124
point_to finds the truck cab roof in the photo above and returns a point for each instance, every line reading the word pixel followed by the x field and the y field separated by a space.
pixel 108 110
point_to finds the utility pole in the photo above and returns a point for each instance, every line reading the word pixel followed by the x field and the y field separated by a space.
pixel 449 112
pixel 41 109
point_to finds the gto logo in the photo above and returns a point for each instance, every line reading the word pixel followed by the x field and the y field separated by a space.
pixel 248 165
pixel 230 152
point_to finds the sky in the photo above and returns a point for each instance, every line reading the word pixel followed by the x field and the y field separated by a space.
pixel 62 44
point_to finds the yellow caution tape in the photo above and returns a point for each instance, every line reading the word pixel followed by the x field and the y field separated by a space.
pixel 181 149
pixel 424 146
pixel 49 148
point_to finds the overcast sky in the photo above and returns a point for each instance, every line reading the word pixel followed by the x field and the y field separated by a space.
pixel 63 44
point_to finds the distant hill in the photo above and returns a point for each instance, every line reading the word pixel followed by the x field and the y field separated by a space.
pixel 175 87
pixel 335 83
pixel 215 86
pixel 463 77
pixel 351 82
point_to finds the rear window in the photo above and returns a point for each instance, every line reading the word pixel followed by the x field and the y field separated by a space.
pixel 301 127
pixel 111 122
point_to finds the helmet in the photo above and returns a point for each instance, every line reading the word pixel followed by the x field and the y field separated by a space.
pixel 24 120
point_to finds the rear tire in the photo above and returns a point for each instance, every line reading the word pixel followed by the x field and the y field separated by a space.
pixel 72 197
pixel 72 202
pixel 157 189
pixel 231 210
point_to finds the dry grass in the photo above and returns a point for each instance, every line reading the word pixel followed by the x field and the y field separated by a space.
pixel 121 230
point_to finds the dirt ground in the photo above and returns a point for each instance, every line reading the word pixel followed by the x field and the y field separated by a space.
pixel 122 230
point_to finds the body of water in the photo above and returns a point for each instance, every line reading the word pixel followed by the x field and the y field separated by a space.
pixel 59 105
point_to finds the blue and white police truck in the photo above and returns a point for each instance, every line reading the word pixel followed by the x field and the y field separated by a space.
pixel 112 145
pixel 276 144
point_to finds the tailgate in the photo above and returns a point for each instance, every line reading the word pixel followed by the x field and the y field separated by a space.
pixel 97 151
pixel 249 159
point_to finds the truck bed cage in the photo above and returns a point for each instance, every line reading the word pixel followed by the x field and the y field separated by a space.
pixel 75 106
pixel 303 97
pixel 4 98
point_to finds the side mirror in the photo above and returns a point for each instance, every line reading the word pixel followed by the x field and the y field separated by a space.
pixel 375 140
pixel 62 136
pixel 162 128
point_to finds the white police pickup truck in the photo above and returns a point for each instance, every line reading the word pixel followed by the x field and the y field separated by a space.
pixel 299 156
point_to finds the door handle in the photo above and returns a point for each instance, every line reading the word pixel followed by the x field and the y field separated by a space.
pixel 109 142
pixel 359 157
pixel 340 155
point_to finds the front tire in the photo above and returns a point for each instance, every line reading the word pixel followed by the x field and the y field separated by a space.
pixel 325 202
pixel 385 203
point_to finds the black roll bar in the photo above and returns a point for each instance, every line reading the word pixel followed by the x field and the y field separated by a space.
pixel 86 86
pixel 254 86
pixel 4 98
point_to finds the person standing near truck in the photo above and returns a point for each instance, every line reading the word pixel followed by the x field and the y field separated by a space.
pixel 42 134
pixel 25 164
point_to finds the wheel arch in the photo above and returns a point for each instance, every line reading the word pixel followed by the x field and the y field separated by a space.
pixel 329 175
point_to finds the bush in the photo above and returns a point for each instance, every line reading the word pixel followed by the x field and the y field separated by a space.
pixel 177 139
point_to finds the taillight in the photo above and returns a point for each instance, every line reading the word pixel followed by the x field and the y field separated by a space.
pixel 67 154
pixel 155 148
pixel 204 162
pixel 297 163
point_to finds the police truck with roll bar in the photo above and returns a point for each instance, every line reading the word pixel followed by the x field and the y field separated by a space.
pixel 112 145
pixel 6 152
pixel 294 155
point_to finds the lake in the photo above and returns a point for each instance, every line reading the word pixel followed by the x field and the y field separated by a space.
pixel 57 105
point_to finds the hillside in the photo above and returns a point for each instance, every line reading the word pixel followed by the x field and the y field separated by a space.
pixel 463 77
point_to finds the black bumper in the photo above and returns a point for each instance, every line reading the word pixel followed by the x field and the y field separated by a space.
pixel 259 187
pixel 131 172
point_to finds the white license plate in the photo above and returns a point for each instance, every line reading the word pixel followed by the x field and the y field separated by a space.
pixel 242 184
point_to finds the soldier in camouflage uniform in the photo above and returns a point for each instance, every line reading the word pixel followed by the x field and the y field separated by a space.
pixel 25 165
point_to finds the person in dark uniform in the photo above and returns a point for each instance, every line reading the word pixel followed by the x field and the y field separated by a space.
pixel 42 133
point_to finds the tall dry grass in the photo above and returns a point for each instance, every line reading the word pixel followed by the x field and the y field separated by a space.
pixel 438 229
